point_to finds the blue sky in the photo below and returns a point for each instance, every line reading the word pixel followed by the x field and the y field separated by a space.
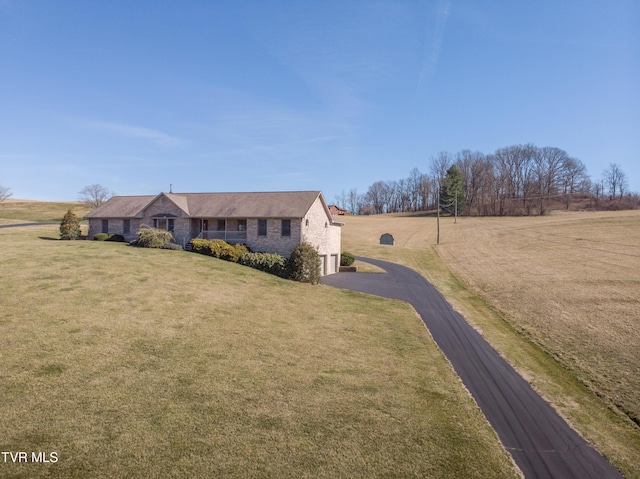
pixel 305 95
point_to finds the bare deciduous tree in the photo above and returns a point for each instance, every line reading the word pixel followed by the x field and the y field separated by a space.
pixel 379 196
pixel 515 180
pixel 473 167
pixel 4 193
pixel 438 166
pixel 615 180
pixel 413 189
pixel 341 200
pixel 354 201
pixel 94 195
pixel 548 164
pixel 573 177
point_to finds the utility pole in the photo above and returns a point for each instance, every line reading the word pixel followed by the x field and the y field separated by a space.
pixel 455 218
pixel 438 214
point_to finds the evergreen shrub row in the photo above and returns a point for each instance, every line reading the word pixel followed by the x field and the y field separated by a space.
pixel 268 262
pixel 219 249
pixel 303 265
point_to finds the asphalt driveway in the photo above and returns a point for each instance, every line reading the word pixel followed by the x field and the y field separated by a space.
pixel 540 441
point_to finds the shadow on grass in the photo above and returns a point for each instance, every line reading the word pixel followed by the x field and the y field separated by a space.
pixel 51 238
pixel 421 214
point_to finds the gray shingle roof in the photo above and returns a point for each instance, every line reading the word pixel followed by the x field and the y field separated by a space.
pixel 287 204
pixel 121 207
pixel 282 204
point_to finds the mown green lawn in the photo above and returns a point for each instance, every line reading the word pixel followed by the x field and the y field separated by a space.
pixel 129 362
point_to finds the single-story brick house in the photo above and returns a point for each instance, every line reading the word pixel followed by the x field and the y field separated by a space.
pixel 274 222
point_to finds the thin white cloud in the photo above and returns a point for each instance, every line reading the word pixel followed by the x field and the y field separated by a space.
pixel 251 126
pixel 432 55
pixel 158 137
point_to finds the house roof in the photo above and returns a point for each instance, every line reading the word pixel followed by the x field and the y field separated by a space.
pixel 179 200
pixel 282 204
pixel 121 207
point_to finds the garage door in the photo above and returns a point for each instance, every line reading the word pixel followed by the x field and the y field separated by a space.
pixel 333 264
pixel 323 260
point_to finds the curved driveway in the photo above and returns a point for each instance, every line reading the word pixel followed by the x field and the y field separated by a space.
pixel 540 441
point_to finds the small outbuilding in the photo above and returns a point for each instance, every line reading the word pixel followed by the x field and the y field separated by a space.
pixel 387 239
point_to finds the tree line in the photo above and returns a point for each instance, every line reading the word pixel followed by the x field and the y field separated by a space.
pixel 515 180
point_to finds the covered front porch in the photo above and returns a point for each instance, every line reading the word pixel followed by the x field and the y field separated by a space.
pixel 231 230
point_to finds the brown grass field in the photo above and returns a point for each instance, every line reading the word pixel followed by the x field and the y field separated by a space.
pixel 568 283
pixel 14 211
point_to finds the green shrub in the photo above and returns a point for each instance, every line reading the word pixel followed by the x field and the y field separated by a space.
pixel 108 237
pixel 232 252
pixel 200 246
pixel 70 226
pixel 304 264
pixel 116 237
pixel 219 249
pixel 152 238
pixel 268 262
pixel 346 259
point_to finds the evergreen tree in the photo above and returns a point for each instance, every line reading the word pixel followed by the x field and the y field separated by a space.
pixel 70 226
pixel 304 264
pixel 452 191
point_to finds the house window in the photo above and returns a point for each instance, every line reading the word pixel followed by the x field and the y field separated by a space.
pixel 166 224
pixel 262 227
pixel 286 227
pixel 105 226
pixel 242 225
pixel 222 225
pixel 126 227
